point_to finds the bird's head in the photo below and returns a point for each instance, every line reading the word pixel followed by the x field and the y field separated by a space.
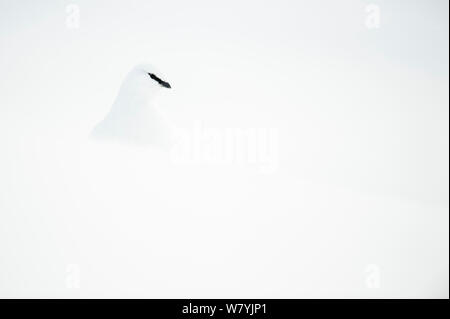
pixel 155 76
pixel 145 80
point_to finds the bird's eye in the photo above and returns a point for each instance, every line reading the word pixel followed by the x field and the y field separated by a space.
pixel 161 82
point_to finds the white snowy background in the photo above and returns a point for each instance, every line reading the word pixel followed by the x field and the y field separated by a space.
pixel 357 207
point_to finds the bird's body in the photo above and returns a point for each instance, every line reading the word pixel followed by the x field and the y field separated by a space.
pixel 134 117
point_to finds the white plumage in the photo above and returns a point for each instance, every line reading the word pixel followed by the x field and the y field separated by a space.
pixel 134 117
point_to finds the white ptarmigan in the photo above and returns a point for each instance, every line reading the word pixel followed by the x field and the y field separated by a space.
pixel 134 118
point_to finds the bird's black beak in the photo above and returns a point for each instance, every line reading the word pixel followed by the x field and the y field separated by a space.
pixel 161 82
pixel 165 84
